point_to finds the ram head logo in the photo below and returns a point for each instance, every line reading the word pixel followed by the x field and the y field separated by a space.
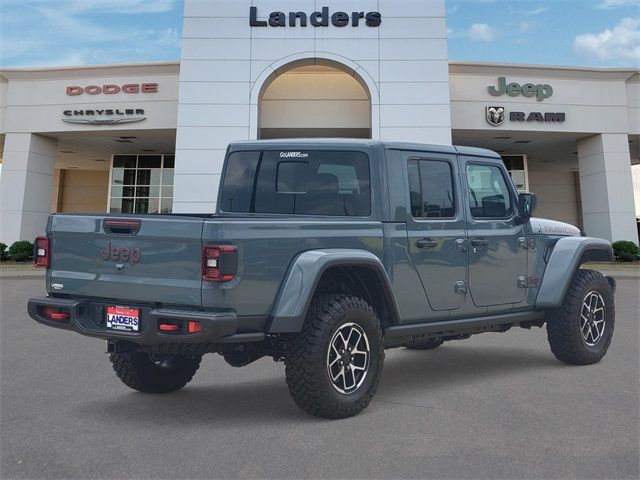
pixel 495 116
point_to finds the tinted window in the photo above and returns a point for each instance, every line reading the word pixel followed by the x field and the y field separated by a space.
pixel 237 186
pixel 431 189
pixel 489 195
pixel 303 183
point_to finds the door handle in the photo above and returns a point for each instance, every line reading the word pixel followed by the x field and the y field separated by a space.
pixel 479 242
pixel 426 243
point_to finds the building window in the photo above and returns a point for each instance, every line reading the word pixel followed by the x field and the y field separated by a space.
pixel 141 184
pixel 517 168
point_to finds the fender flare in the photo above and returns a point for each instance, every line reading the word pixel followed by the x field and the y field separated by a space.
pixel 301 280
pixel 567 256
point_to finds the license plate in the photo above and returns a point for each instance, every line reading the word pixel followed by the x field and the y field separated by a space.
pixel 124 319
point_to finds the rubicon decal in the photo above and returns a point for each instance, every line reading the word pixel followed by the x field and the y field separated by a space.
pixel 104 116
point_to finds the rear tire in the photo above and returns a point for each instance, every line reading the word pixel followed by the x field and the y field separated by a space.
pixel 427 345
pixel 154 373
pixel 580 331
pixel 333 366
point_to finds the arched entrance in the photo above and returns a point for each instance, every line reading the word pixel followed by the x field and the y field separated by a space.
pixel 314 98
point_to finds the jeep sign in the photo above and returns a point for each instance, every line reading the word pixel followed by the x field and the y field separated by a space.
pixel 513 89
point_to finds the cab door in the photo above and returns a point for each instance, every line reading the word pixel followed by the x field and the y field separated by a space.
pixel 497 255
pixel 436 228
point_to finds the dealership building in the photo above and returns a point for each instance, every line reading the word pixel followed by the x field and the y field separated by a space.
pixel 151 137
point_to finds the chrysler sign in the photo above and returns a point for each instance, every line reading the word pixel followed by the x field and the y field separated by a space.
pixel 104 116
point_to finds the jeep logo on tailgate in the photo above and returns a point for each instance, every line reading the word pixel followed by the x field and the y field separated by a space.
pixel 123 254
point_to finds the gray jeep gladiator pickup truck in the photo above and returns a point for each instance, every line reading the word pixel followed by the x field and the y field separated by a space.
pixel 322 254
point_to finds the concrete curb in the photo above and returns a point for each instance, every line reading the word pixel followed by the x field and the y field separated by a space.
pixel 9 274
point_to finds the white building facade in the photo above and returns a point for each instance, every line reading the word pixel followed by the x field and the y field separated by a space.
pixel 151 137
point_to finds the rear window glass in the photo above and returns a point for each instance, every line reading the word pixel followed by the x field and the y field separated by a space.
pixel 304 183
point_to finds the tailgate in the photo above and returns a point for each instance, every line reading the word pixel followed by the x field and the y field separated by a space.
pixel 136 259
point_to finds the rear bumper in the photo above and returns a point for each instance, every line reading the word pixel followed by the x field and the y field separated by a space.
pixel 89 318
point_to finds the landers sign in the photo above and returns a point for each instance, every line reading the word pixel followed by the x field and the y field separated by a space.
pixel 317 19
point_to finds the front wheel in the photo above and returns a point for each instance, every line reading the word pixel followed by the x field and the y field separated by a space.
pixel 154 372
pixel 333 366
pixel 580 331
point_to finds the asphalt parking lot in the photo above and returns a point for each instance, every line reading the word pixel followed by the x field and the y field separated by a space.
pixel 493 406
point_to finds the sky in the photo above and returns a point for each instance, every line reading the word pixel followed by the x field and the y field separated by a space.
pixel 36 33
pixel 592 33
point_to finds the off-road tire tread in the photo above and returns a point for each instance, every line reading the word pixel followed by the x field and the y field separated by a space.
pixel 305 359
pixel 138 372
pixel 563 336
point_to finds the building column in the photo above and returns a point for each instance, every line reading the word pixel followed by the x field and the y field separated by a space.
pixel 606 187
pixel 25 186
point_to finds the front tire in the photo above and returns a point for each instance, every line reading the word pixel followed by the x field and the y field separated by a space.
pixel 154 373
pixel 580 331
pixel 333 366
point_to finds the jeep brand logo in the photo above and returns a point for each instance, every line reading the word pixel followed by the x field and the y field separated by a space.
pixel 111 89
pixel 317 19
pixel 123 254
pixel 514 89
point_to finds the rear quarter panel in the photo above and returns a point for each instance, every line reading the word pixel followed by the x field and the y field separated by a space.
pixel 266 248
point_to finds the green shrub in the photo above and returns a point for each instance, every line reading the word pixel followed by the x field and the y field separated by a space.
pixel 626 251
pixel 21 251
pixel 3 252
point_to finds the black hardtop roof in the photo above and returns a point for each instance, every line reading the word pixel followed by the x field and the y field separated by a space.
pixel 325 143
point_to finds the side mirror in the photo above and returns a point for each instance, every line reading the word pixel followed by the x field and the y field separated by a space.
pixel 526 204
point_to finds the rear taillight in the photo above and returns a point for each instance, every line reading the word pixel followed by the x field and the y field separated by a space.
pixel 168 327
pixel 41 252
pixel 219 263
pixel 57 314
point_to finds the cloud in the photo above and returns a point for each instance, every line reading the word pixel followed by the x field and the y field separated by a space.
pixel 525 26
pixel 78 32
pixel 123 7
pixel 536 11
pixel 620 44
pixel 481 32
pixel 611 4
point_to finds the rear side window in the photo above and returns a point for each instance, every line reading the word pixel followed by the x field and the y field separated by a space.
pixel 298 183
pixel 431 189
pixel 489 196
pixel 238 183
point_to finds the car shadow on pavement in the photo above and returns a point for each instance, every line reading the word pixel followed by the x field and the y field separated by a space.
pixel 454 364
pixel 267 400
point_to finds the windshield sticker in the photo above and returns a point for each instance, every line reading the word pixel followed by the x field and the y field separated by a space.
pixel 294 155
